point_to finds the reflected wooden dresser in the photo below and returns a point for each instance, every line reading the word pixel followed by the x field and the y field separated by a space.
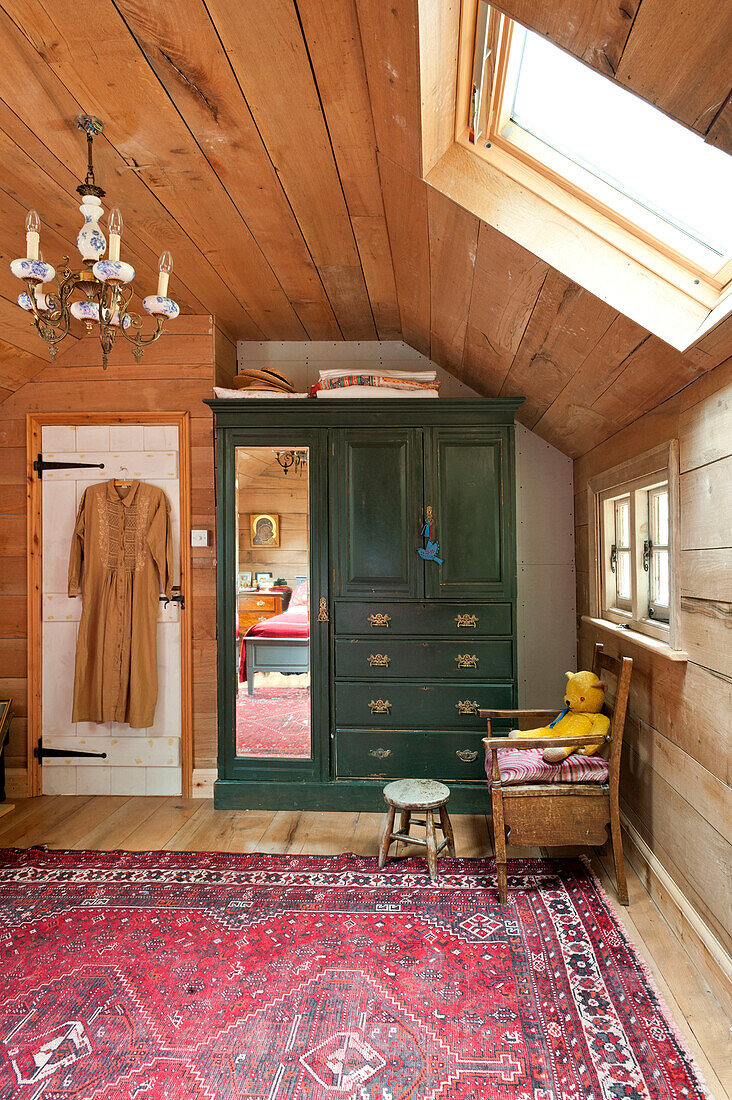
pixel 255 607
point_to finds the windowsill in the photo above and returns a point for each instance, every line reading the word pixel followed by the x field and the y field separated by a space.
pixel 663 649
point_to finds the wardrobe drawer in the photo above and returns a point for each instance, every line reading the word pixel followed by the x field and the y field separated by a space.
pixel 461 620
pixel 389 705
pixel 400 754
pixel 399 658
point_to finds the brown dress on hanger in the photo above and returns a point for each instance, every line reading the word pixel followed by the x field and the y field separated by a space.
pixel 122 552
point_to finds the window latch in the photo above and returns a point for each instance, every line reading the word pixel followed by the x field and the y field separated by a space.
pixel 647 547
pixel 613 558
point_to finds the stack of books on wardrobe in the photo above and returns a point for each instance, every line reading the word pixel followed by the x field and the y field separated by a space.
pixel 378 383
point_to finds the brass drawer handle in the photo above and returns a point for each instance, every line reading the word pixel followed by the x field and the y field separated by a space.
pixel 380 706
pixel 467 660
pixel 379 660
pixel 467 755
pixel 379 619
pixel 260 603
pixel 380 754
pixel 463 620
pixel 466 706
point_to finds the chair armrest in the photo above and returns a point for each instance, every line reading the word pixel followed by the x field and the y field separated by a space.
pixel 494 743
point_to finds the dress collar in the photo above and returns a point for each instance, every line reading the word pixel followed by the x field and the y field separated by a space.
pixel 113 493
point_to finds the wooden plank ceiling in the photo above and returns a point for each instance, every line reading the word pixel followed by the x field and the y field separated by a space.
pixel 276 150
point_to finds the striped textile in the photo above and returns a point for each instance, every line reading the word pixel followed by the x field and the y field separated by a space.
pixel 527 766
pixel 376 380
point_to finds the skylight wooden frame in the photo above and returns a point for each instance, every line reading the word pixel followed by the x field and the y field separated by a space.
pixel 518 159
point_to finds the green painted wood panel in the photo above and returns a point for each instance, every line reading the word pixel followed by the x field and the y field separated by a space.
pixel 389 705
pixel 464 619
pixel 364 754
pixel 376 478
pixel 468 484
pixel 404 659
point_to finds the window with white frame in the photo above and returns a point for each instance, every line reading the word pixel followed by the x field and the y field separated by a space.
pixel 634 525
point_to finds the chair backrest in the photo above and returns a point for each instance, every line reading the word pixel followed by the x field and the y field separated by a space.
pixel 620 668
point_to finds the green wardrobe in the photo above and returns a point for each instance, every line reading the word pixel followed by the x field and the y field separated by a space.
pixel 403 649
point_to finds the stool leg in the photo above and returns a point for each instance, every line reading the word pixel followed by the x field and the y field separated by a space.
pixel 447 830
pixel 405 819
pixel 386 836
pixel 431 845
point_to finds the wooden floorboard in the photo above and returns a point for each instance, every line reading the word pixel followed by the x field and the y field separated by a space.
pixel 187 824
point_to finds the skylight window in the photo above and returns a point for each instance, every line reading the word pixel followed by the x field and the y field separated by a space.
pixel 631 147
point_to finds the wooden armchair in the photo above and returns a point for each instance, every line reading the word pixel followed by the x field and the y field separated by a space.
pixel 560 813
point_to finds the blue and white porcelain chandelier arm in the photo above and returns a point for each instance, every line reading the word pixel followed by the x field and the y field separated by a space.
pixel 105 285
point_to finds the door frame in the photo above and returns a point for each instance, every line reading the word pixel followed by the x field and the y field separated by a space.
pixel 35 422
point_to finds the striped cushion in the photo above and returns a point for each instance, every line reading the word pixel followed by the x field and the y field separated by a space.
pixel 527 766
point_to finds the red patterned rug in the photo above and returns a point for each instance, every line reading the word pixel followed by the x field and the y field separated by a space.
pixel 164 976
pixel 274 721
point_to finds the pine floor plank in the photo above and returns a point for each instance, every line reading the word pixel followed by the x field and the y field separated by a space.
pixel 112 832
pixel 278 837
pixel 152 833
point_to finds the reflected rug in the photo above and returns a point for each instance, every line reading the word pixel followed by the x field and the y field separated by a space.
pixel 274 721
pixel 185 975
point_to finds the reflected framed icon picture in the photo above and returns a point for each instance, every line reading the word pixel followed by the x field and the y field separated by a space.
pixel 264 529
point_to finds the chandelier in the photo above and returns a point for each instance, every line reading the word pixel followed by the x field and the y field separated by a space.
pixel 289 459
pixel 105 285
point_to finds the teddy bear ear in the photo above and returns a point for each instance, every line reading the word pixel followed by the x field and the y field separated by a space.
pixel 569 675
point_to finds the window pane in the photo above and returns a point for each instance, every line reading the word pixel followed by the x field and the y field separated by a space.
pixel 626 142
pixel 659 578
pixel 622 524
pixel 659 517
pixel 623 575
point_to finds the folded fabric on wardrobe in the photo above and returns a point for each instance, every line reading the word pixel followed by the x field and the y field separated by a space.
pixel 415 375
pixel 376 380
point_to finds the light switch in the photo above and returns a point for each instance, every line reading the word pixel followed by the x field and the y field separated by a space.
pixel 199 536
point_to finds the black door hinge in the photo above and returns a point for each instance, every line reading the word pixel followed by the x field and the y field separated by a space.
pixel 177 597
pixel 41 464
pixel 40 752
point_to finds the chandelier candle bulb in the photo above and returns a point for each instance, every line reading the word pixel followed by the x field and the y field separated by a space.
pixel 115 233
pixel 32 234
pixel 165 266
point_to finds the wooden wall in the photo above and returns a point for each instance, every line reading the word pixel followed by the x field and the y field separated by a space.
pixel 174 375
pixel 677 771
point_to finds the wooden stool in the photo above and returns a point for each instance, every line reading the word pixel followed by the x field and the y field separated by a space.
pixel 407 795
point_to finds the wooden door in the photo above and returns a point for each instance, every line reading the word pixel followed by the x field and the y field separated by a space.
pixel 376 511
pixel 468 485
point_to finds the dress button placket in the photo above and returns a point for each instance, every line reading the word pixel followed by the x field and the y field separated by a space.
pixel 120 598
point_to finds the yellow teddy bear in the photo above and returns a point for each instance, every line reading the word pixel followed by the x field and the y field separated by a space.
pixel 581 717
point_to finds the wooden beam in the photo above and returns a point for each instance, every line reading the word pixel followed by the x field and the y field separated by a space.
pixel 439 38
pixel 453 238
pixel 593 30
pixel 148 131
pixel 651 375
pixel 182 47
pixel 390 38
pixel 283 99
pixel 405 202
pixel 506 285
pixel 334 46
pixel 565 326
pixel 680 59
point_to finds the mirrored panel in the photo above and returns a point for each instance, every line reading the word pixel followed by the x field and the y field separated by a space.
pixel 273 702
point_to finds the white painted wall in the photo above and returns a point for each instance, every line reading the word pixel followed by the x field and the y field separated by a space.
pixel 547 625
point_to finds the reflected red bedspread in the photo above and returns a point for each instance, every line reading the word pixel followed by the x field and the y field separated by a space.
pixel 293 623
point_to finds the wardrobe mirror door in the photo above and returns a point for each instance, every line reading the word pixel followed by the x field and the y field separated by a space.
pixel 273 699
